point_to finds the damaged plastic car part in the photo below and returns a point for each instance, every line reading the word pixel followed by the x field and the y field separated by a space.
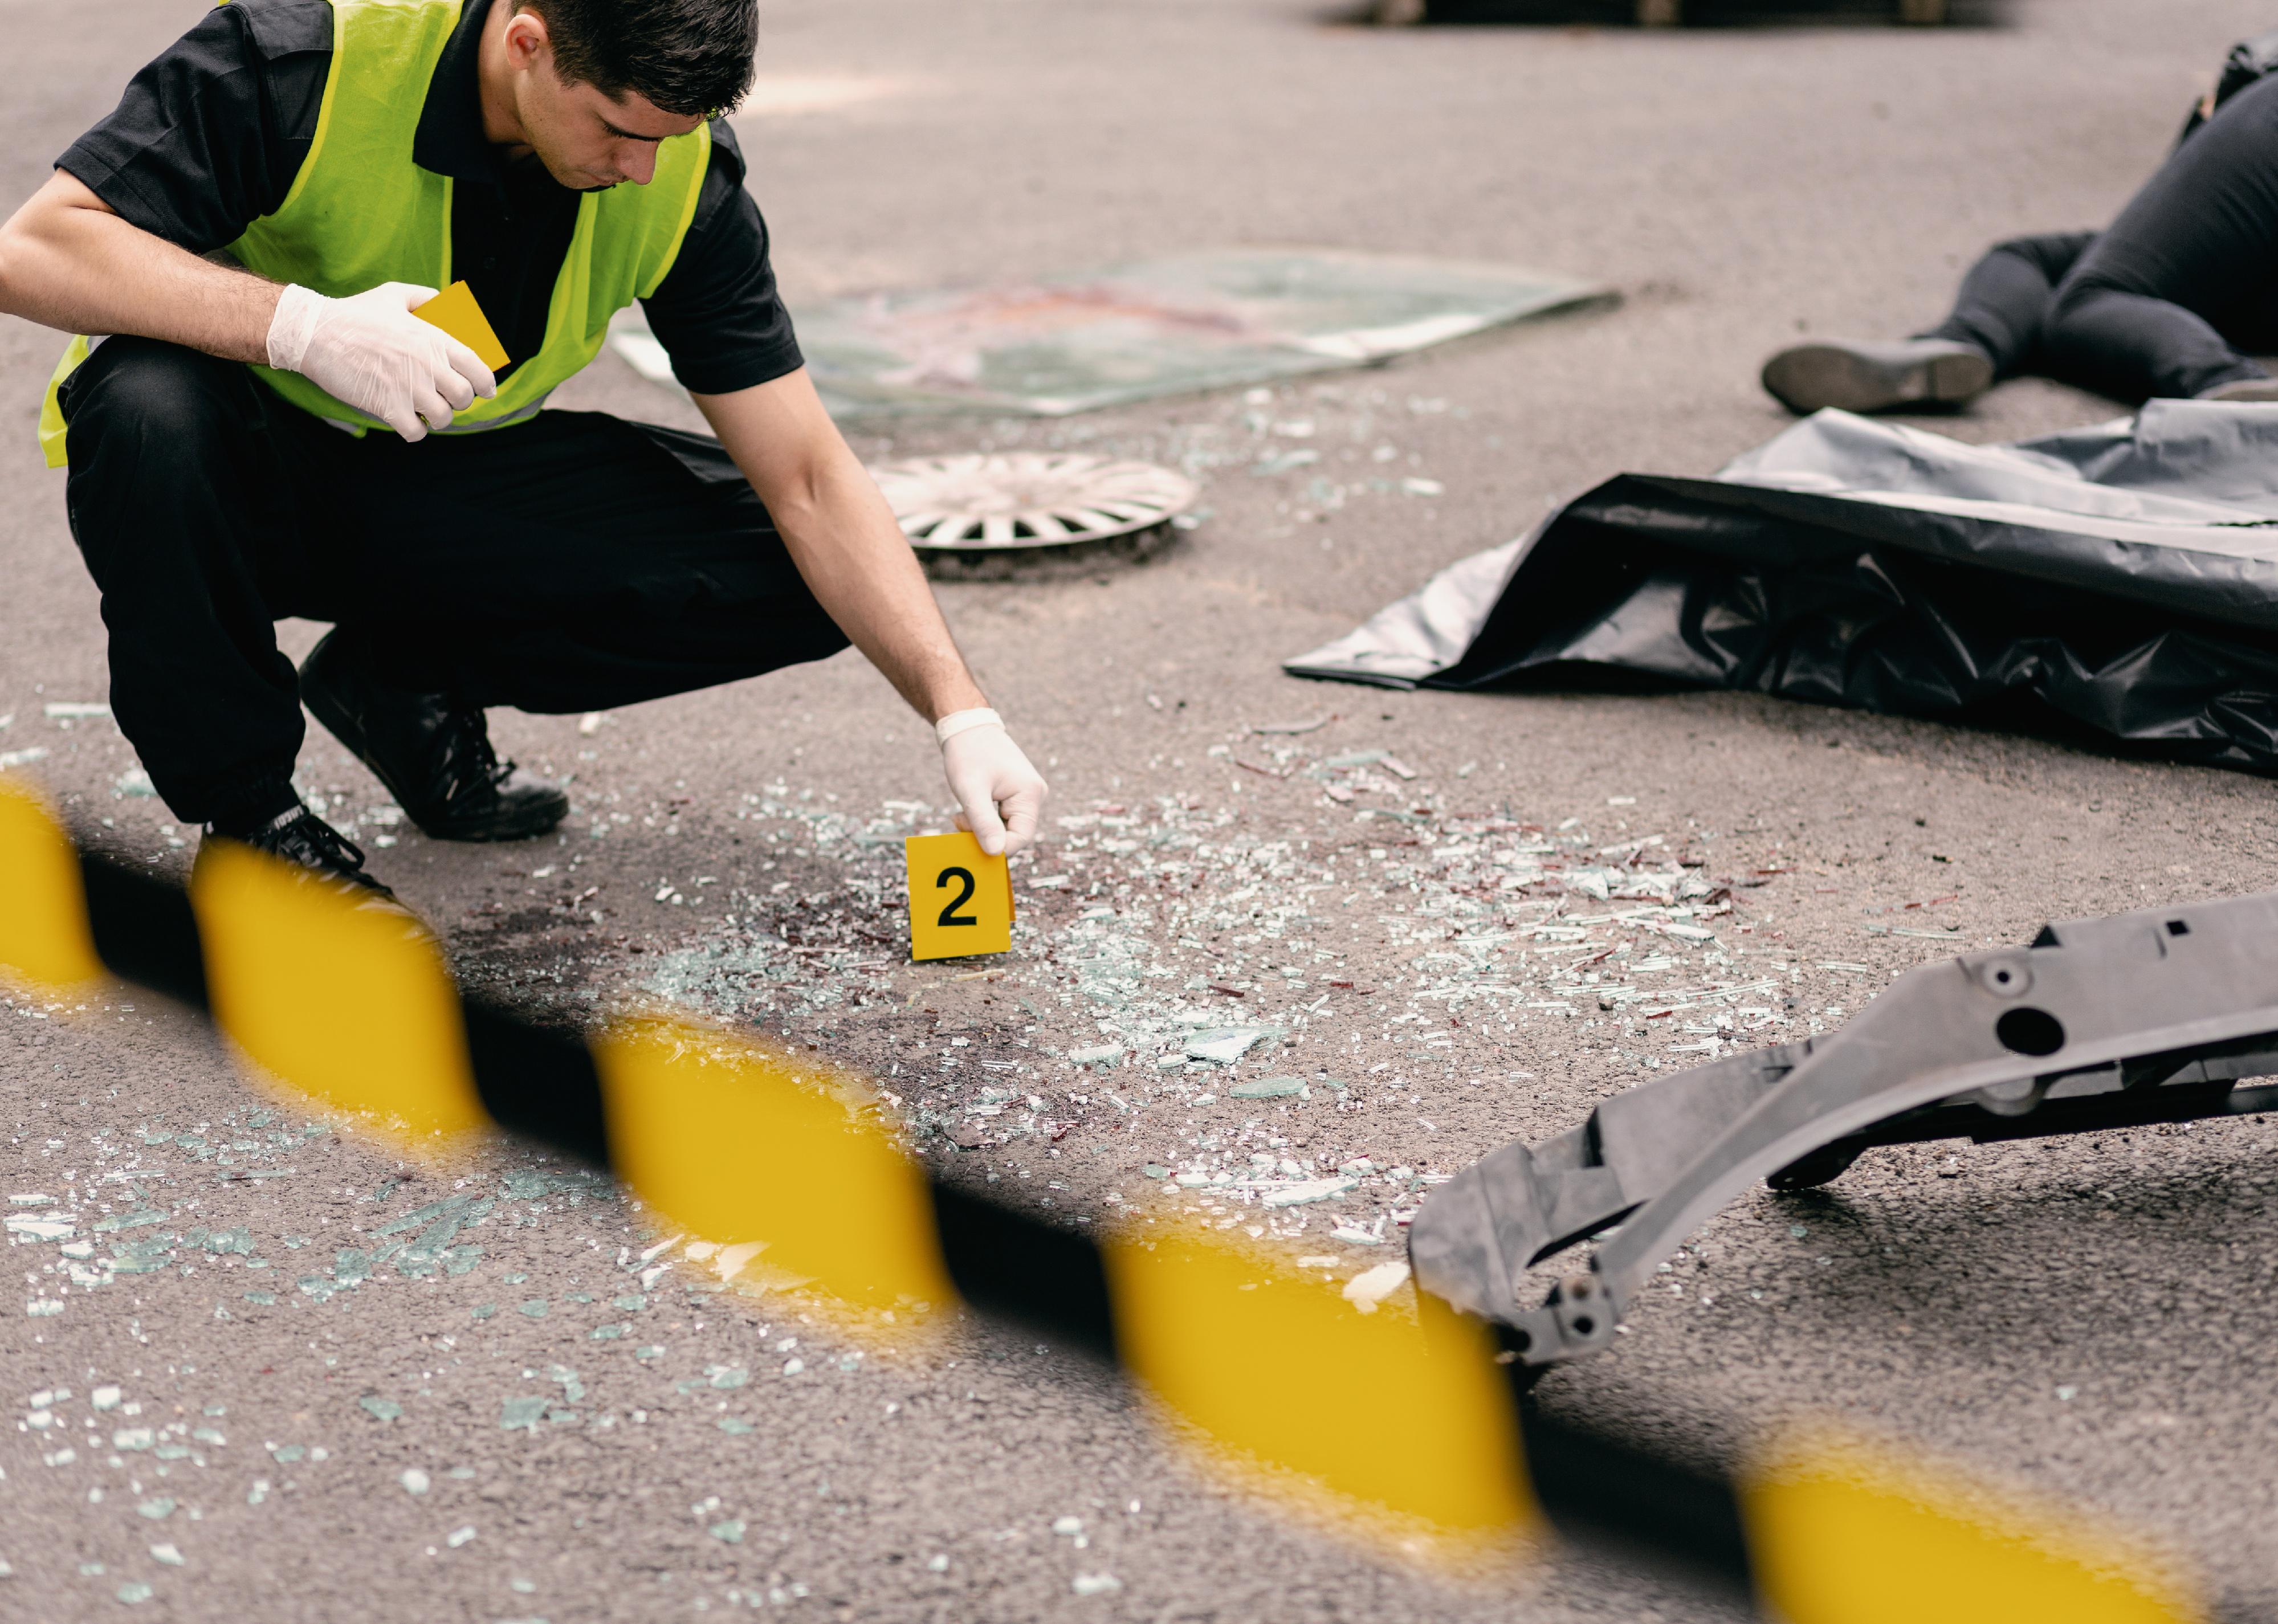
pixel 2149 1016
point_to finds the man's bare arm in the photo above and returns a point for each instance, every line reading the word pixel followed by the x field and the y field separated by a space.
pixel 67 260
pixel 850 553
pixel 843 538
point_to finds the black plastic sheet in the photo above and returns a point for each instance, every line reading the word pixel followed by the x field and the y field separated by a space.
pixel 2121 579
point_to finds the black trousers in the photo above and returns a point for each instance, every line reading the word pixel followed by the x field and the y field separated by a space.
pixel 2169 299
pixel 572 562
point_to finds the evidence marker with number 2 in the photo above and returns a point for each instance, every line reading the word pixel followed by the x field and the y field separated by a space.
pixel 961 898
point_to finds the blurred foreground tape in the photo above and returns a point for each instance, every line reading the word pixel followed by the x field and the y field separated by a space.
pixel 1841 1532
pixel 739 1145
pixel 1409 1417
pixel 333 993
pixel 1406 1420
pixel 44 938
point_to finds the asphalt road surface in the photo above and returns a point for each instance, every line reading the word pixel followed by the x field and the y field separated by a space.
pixel 282 1374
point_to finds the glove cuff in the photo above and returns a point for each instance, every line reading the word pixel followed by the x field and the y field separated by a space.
pixel 293 325
pixel 965 722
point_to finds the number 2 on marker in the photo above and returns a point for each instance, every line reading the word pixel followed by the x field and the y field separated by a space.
pixel 960 898
pixel 950 915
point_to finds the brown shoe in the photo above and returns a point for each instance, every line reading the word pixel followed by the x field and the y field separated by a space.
pixel 1873 377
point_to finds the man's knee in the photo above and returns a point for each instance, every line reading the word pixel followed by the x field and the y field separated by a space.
pixel 145 393
pixel 2052 254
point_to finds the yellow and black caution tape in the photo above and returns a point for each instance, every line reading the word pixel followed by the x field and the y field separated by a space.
pixel 1411 1421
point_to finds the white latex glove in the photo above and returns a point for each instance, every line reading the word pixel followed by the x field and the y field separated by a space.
pixel 371 352
pixel 1002 795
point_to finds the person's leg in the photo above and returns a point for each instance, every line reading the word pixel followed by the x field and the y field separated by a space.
pixel 571 563
pixel 1993 332
pixel 2005 298
pixel 583 561
pixel 183 496
pixel 2154 306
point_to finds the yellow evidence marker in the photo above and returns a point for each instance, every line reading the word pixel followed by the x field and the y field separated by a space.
pixel 961 898
pixel 456 313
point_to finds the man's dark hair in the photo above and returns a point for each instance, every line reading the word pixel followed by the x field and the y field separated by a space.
pixel 687 57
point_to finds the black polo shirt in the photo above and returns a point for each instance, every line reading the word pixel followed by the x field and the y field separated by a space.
pixel 209 137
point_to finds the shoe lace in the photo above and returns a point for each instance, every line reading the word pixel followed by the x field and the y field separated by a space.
pixel 311 840
pixel 474 763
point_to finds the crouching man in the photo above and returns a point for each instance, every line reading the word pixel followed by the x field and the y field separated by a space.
pixel 261 427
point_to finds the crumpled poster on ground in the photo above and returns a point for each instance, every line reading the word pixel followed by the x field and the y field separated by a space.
pixel 1176 325
pixel 2119 580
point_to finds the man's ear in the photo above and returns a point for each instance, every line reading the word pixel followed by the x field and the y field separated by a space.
pixel 526 40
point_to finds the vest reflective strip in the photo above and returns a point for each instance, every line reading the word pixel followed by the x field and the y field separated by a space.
pixel 521 414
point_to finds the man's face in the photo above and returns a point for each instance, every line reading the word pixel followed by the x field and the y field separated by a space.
pixel 588 142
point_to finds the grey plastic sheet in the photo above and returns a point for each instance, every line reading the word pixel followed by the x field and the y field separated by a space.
pixel 2120 580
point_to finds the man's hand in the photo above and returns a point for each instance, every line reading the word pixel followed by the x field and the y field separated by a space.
pixel 1001 796
pixel 371 352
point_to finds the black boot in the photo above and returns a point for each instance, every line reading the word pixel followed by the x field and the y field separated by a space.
pixel 433 754
pixel 300 836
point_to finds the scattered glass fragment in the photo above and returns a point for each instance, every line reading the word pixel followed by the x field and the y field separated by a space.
pixel 1269 1088
pixel 379 1408
pixel 1365 1290
pixel 1225 1045
pixel 1307 1191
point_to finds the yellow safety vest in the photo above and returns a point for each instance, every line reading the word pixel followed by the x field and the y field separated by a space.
pixel 361 212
